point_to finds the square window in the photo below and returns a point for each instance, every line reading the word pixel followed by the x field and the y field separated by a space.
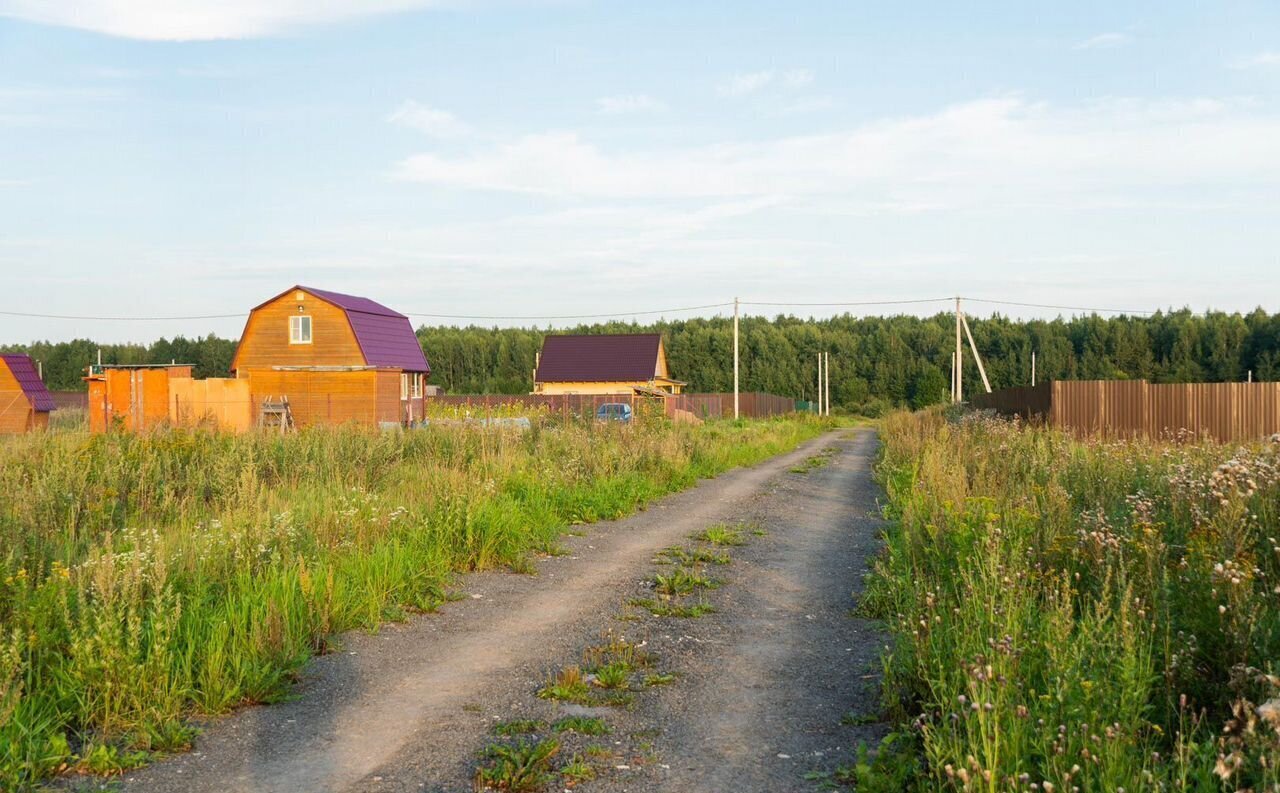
pixel 300 330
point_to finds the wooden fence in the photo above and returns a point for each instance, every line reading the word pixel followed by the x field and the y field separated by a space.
pixel 704 406
pixel 1226 412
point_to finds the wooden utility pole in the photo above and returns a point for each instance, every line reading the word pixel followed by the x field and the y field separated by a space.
pixel 735 357
pixel 826 389
pixel 957 393
pixel 1033 368
pixel 819 384
pixel 976 357
pixel 953 377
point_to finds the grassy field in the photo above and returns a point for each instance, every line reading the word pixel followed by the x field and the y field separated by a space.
pixel 1093 616
pixel 148 578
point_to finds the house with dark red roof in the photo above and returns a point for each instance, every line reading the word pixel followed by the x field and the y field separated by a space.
pixel 334 357
pixel 25 403
pixel 615 363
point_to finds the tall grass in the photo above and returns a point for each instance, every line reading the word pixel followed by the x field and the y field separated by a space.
pixel 146 578
pixel 1081 615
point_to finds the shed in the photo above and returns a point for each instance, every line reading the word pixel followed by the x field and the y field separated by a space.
pixel 334 357
pixel 613 363
pixel 25 403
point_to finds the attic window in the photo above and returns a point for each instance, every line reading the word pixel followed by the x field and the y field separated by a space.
pixel 300 330
pixel 298 296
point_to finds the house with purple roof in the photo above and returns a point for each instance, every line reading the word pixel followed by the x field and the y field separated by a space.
pixel 334 358
pixel 25 403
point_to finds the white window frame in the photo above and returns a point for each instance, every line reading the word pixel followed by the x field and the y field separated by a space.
pixel 296 325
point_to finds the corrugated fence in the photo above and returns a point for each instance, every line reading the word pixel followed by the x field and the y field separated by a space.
pixel 1135 408
pixel 704 406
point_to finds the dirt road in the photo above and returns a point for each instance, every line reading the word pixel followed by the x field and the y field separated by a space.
pixel 757 689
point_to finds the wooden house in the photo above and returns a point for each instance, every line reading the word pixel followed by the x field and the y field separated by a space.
pixel 25 403
pixel 334 358
pixel 622 363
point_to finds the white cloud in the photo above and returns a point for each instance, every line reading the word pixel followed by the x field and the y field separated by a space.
pixel 797 78
pixel 189 20
pixel 743 84
pixel 433 121
pixel 628 103
pixel 983 153
pixel 1105 41
pixel 751 82
pixel 1262 59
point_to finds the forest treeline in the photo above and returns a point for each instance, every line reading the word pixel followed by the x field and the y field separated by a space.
pixel 875 361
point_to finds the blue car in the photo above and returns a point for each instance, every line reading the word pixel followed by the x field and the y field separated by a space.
pixel 613 411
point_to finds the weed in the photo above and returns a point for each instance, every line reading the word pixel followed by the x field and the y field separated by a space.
pixel 568 685
pixel 668 609
pixel 519 727
pixel 518 767
pixel 721 534
pixel 577 770
pixel 691 556
pixel 659 679
pixel 682 581
pixel 583 725
pixel 614 675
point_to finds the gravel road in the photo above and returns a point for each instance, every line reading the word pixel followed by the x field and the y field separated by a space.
pixel 757 692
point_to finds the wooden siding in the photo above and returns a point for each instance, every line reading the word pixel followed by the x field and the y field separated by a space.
pixel 368 396
pixel 15 408
pixel 265 342
pixel 705 406
pixel 223 403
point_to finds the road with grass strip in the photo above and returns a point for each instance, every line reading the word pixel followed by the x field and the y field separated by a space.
pixel 706 644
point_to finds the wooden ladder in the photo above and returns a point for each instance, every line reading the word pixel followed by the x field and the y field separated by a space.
pixel 276 413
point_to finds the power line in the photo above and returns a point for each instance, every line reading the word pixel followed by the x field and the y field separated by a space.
pixel 1059 308
pixel 121 319
pixel 572 316
pixel 859 303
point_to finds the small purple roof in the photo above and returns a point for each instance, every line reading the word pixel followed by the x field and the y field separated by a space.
pixel 29 381
pixel 597 358
pixel 385 337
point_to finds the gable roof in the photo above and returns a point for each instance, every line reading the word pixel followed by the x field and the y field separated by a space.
pixel 24 371
pixel 598 358
pixel 386 337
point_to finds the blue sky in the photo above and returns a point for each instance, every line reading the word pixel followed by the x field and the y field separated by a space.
pixel 172 157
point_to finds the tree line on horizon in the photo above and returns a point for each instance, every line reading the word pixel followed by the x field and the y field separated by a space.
pixel 876 362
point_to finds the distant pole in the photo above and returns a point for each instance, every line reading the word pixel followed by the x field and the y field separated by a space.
pixel 976 357
pixel 735 357
pixel 958 394
pixel 1250 375
pixel 953 377
pixel 826 390
pixel 40 370
pixel 1033 368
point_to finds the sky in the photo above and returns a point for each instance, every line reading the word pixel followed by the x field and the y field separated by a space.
pixel 175 158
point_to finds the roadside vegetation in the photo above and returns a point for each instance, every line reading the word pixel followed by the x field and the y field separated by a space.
pixel 145 579
pixel 1077 615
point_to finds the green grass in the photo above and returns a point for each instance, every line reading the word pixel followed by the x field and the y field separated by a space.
pixel 519 767
pixel 720 534
pixel 691 556
pixel 567 685
pixel 519 727
pixel 1079 614
pixel 583 725
pixel 148 578
pixel 682 581
pixel 668 609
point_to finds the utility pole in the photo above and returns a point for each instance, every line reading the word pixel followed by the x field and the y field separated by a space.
pixel 1033 368
pixel 819 384
pixel 735 357
pixel 826 391
pixel 976 357
pixel 957 394
pixel 40 370
pixel 953 377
